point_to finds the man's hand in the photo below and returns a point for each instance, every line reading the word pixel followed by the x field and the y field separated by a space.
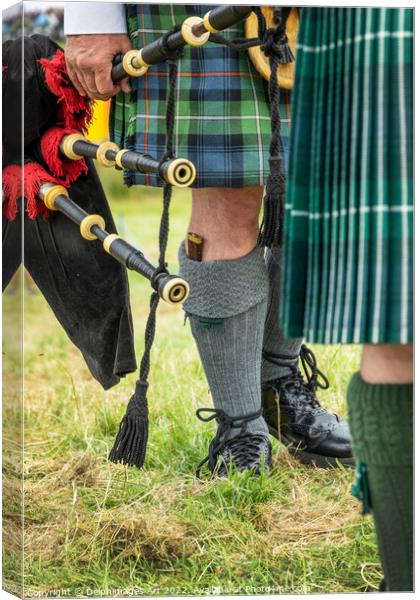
pixel 89 63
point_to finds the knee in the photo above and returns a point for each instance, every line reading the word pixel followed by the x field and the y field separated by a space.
pixel 227 219
pixel 229 208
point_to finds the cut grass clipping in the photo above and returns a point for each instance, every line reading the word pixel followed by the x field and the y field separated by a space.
pixel 97 529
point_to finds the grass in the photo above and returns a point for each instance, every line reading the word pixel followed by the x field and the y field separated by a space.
pixel 92 528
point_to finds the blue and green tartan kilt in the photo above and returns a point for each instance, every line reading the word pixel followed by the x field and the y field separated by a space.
pixel 348 256
pixel 222 119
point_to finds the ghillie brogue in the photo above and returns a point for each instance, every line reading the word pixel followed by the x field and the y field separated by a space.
pixel 245 451
pixel 295 417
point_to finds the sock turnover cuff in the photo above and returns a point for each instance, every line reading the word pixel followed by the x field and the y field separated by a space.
pixel 381 422
pixel 224 288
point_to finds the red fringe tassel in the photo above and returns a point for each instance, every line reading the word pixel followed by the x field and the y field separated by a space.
pixel 74 110
pixel 12 190
pixel 34 177
pixel 64 168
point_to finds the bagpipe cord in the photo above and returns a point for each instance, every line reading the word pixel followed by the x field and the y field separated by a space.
pixel 131 441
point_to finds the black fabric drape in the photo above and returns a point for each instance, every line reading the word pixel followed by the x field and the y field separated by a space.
pixel 85 287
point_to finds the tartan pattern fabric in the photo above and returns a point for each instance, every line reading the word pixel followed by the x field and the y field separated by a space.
pixel 222 121
pixel 348 260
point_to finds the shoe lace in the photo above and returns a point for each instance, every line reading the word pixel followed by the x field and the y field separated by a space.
pixel 225 424
pixel 315 378
pixel 245 449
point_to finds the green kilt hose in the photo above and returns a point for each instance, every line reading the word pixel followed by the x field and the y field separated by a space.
pixel 348 268
pixel 222 121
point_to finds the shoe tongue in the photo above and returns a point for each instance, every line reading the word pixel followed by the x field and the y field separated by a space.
pixel 293 376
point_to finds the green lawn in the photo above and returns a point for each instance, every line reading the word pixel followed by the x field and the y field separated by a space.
pixel 94 528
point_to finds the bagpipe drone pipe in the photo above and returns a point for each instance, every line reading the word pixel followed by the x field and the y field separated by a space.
pixel 194 31
pixel 179 172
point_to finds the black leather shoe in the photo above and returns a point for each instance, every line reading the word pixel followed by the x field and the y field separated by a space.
pixel 294 415
pixel 241 452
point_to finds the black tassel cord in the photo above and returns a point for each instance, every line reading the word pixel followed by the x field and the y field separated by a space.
pixel 131 441
pixel 275 46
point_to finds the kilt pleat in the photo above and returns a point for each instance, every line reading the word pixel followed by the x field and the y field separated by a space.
pixel 222 120
pixel 348 260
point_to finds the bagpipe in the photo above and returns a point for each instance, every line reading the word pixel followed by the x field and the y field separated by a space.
pixel 196 31
pixel 63 156
pixel 171 289
pixel 179 172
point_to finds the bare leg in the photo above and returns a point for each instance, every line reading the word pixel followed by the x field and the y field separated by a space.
pixel 227 220
pixel 387 363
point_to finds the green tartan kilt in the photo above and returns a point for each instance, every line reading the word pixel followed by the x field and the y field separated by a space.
pixel 222 114
pixel 348 259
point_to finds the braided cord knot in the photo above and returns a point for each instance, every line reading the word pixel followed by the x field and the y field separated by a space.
pixel 173 54
pixel 137 405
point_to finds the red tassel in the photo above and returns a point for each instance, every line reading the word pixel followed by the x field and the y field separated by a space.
pixel 12 189
pixel 34 177
pixel 74 110
pixel 64 168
